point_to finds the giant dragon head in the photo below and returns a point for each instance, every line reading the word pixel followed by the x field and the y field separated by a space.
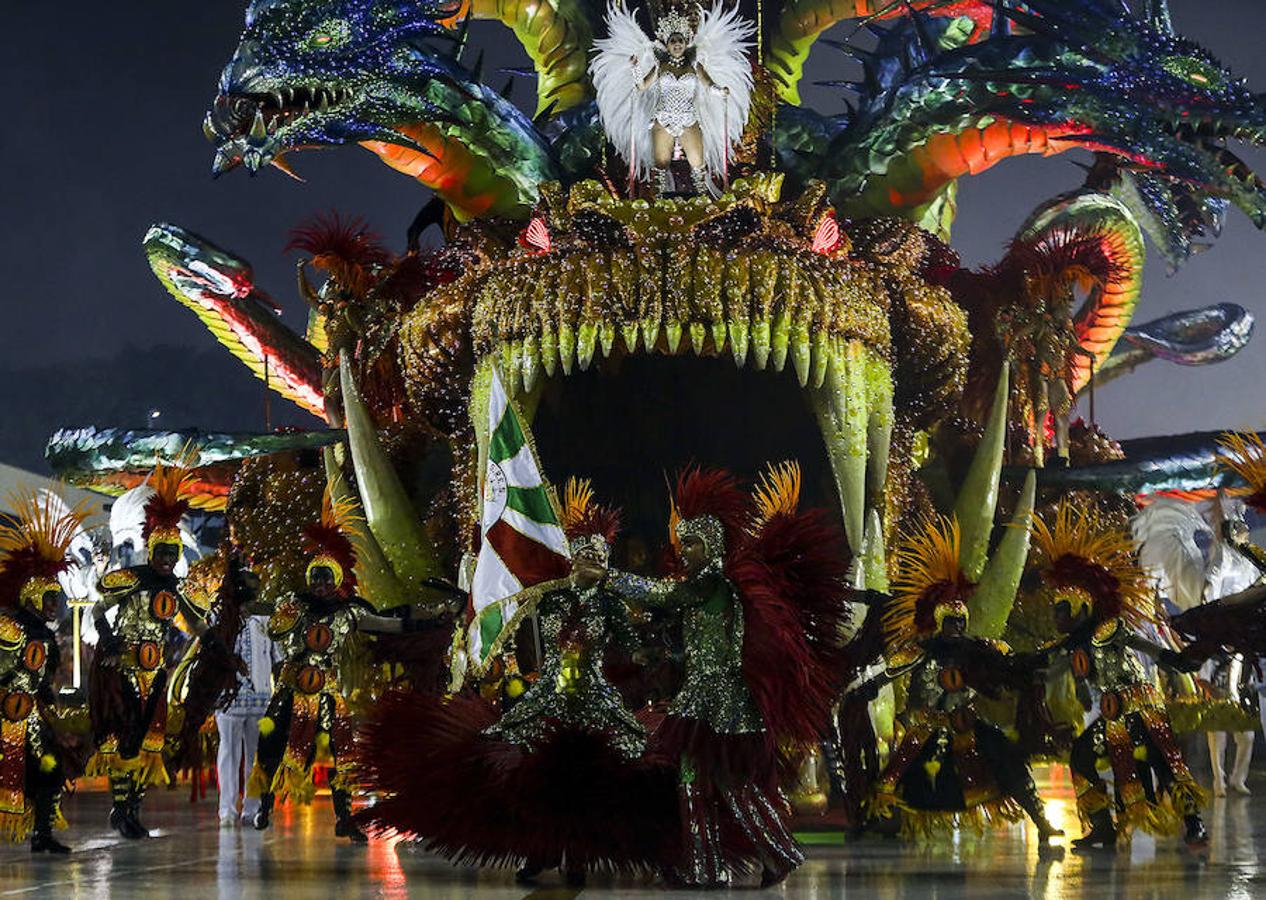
pixel 315 73
pixel 936 104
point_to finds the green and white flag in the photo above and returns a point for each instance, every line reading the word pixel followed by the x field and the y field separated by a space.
pixel 523 542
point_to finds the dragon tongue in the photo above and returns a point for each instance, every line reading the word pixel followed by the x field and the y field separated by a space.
pixel 259 131
pixel 284 165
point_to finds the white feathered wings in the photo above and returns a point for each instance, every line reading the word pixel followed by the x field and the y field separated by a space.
pixel 721 44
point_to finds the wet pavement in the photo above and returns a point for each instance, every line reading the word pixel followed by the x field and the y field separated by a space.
pixel 192 858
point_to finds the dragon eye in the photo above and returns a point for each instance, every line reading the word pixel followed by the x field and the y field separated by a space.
pixel 329 35
pixel 1195 71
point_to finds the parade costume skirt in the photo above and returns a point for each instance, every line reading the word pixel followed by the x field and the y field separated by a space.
pixel 1153 786
pixel 950 771
pixel 129 721
pixel 23 773
pixel 299 731
pixel 573 799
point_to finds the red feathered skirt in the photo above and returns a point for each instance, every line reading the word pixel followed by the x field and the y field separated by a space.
pixel 572 800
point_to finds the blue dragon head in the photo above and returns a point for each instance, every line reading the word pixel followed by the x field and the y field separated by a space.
pixel 321 72
pixel 1157 108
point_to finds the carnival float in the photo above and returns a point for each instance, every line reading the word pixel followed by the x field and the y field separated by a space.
pixel 671 262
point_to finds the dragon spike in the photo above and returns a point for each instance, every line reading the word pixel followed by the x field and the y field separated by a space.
pixel 477 74
pixel 927 46
pixel 376 581
pixel 508 90
pixel 995 594
pixel 978 499
pixel 1160 17
pixel 1001 21
pixel 389 512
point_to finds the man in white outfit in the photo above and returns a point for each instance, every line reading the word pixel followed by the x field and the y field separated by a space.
pixel 239 724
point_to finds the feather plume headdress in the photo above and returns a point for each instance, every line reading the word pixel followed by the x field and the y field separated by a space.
pixel 1244 453
pixel 929 585
pixel 674 20
pixel 169 504
pixel 1084 562
pixel 709 505
pixel 777 493
pixel 587 524
pixel 33 548
pixel 329 541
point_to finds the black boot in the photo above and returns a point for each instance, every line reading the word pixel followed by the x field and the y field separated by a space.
pixel 265 811
pixel 343 824
pixel 1195 835
pixel 42 841
pixel 1031 803
pixel 120 821
pixel 528 874
pixel 134 813
pixel 1103 832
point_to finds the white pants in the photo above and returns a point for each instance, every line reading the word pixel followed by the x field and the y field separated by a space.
pixel 239 736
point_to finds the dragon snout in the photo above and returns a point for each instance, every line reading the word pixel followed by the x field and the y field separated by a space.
pixel 242 69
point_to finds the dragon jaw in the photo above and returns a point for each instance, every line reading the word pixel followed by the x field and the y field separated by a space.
pixel 315 73
pixel 1159 107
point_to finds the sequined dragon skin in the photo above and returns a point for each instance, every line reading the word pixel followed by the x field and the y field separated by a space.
pixel 571 690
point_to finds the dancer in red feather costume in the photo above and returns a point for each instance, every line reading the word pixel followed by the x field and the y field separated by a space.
pixel 763 603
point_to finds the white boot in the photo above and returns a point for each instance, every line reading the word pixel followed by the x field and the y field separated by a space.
pixel 1243 758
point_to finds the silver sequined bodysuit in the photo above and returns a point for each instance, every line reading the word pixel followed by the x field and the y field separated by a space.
pixel 675 101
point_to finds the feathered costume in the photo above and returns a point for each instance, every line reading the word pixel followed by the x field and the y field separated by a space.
pixel 128 684
pixel 307 722
pixel 762 626
pixel 33 765
pixel 676 101
pixel 1092 568
pixel 556 779
pixel 1236 622
pixel 952 768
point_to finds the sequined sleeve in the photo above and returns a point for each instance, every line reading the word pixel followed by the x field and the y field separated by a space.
pixel 654 592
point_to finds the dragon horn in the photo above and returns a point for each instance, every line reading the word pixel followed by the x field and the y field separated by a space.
pixel 978 499
pixel 389 513
pixel 995 595
pixel 375 579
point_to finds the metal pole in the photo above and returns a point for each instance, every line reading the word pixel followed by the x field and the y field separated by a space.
pixel 268 415
pixel 76 612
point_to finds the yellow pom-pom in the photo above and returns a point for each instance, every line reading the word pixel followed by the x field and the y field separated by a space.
pixel 1140 753
pixel 515 688
pixel 48 763
pixel 323 741
pixel 266 726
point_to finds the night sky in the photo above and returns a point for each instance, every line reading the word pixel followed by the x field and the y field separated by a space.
pixel 102 137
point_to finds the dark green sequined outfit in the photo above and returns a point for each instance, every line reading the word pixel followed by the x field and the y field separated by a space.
pixel 571 691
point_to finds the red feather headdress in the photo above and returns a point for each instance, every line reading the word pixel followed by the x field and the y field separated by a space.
pixel 164 510
pixel 329 541
pixel 584 521
pixel 345 248
pixel 33 548
pixel 1082 561
pixel 709 503
pixel 929 584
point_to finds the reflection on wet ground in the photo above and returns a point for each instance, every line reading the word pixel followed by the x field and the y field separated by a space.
pixel 191 858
